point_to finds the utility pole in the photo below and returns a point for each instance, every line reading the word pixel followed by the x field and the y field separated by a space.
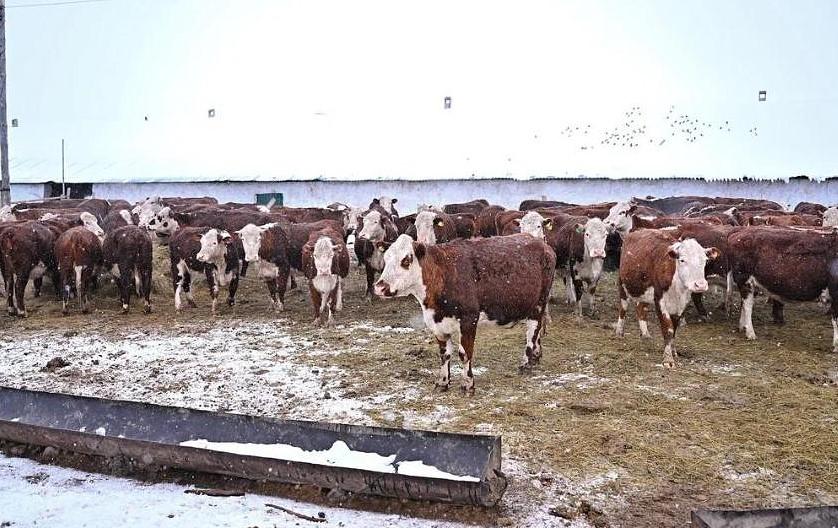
pixel 5 189
pixel 63 186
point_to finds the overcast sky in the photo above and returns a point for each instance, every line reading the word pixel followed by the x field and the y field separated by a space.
pixel 345 89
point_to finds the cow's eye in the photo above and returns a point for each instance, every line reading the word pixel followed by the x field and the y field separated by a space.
pixel 407 261
pixel 165 224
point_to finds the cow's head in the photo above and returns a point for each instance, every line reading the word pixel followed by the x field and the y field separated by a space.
pixel 126 215
pixel 690 259
pixel 595 233
pixel 6 214
pixel 427 223
pixel 146 213
pixel 213 245
pixel 830 217
pixel 324 253
pixel 402 273
pixel 251 236
pixel 534 224
pixel 372 226
pixel 386 203
pixel 164 223
pixel 619 217
pixel 91 224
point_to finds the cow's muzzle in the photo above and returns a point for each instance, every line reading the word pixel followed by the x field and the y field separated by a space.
pixel 382 289
pixel 598 254
pixel 699 286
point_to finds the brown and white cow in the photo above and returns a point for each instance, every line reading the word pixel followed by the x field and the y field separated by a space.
pixel 184 247
pixel 222 255
pixel 473 207
pixel 79 255
pixel 790 265
pixel 387 205
pixel 127 255
pixel 830 217
pixel 501 279
pixel 266 246
pixel 657 269
pixel 325 265
pixel 376 227
pixel 27 250
pixel 580 254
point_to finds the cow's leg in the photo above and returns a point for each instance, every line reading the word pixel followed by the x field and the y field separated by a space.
pixel 231 290
pixel 642 310
pixel 281 282
pixel 271 284
pixel 468 330
pixel 746 322
pixel 577 294
pixel 728 293
pixel 445 362
pixel 675 320
pixel 370 280
pixel 64 286
pixel 292 284
pixel 698 301
pixel 8 278
pixel 316 303
pixel 81 288
pixel 124 285
pixel 622 306
pixel 37 284
pixel 591 300
pixel 339 295
pixel 145 277
pixel 20 288
pixel 570 289
pixel 212 283
pixel 777 312
pixel 668 331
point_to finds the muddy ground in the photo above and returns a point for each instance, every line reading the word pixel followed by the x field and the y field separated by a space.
pixel 599 422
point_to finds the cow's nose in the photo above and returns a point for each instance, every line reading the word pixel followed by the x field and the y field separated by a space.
pixel 383 289
pixel 251 259
pixel 700 286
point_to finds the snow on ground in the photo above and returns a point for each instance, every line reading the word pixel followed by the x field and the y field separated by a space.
pixel 245 367
pixel 33 494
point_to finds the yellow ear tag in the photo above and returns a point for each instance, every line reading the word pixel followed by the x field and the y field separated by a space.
pixel 550 226
pixel 381 249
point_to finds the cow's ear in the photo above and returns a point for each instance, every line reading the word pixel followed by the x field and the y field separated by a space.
pixel 394 200
pixel 381 246
pixel 337 248
pixel 548 224
pixel 438 222
pixel 376 201
pixel 632 208
pixel 517 222
pixel 224 236
pixel 419 250
pixel 580 228
pixel 712 253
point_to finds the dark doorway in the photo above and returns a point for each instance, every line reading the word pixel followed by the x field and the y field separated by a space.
pixel 74 190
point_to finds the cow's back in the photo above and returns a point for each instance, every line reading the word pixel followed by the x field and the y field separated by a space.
pixel 645 262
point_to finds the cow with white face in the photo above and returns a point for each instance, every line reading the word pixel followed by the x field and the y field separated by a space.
pixel 376 227
pixel 92 224
pixel 387 204
pixel 163 224
pixel 657 269
pixel 220 253
pixel 325 265
pixel 267 247
pixel 500 279
pixel 580 253
pixel 830 217
pixel 534 224
pixel 619 218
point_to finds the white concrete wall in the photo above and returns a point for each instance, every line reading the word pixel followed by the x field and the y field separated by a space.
pixel 508 193
pixel 27 191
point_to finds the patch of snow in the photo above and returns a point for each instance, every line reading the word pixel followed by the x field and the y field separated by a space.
pixel 101 431
pixel 377 329
pixel 728 370
pixel 730 473
pixel 338 455
pixel 69 497
pixel 578 379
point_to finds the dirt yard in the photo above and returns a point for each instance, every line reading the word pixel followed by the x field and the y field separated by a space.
pixel 599 432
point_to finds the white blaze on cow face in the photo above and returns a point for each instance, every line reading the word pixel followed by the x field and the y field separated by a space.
pixel 595 234
pixel 388 204
pixel 402 273
pixel 251 236
pixel 213 245
pixel 373 227
pixel 126 216
pixel 425 222
pixel 619 218
pixel 324 252
pixel 533 224
pixel 690 259
pixel 830 217
pixel 162 223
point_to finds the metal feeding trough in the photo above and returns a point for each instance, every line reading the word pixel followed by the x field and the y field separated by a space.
pixel 419 465
pixel 820 517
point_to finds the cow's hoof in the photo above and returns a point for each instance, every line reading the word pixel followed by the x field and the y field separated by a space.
pixel 231 302
pixel 125 311
pixel 524 369
pixel 442 387
pixel 467 390
pixel 646 336
pixel 65 313
pixel 85 310
pixel 147 310
pixel 191 303
pixel 669 363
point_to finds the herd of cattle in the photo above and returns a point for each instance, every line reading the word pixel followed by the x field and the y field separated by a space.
pixel 463 262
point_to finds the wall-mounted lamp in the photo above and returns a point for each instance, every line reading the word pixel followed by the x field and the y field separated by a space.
pixel 211 112
pixel 447 103
pixel 15 124
pixel 762 95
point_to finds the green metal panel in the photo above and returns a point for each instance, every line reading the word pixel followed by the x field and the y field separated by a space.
pixel 264 198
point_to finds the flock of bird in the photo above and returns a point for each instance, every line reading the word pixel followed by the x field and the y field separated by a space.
pixel 633 130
